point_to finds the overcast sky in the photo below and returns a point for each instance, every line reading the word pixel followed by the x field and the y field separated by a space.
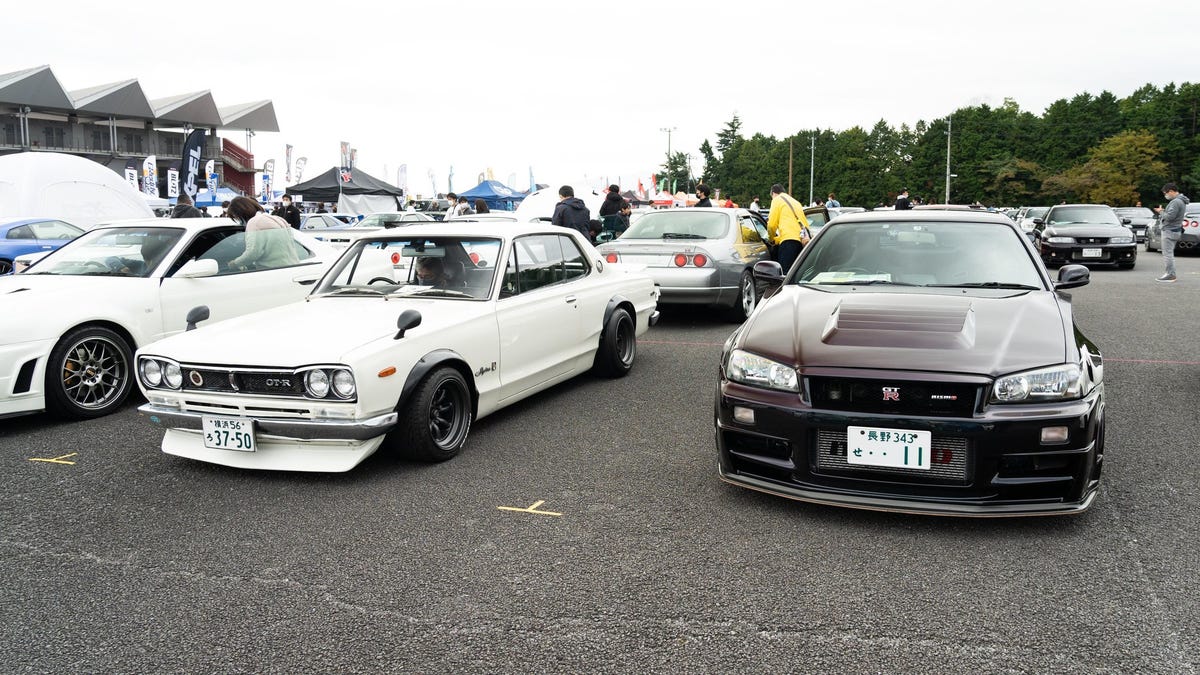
pixel 580 90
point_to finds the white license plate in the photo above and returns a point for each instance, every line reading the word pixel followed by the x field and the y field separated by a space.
pixel 228 433
pixel 1093 253
pixel 897 448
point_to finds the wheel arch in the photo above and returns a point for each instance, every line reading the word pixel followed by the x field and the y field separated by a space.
pixel 115 327
pixel 435 359
pixel 614 303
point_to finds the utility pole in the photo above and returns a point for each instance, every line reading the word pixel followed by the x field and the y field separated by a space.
pixel 812 163
pixel 949 128
pixel 669 172
pixel 790 166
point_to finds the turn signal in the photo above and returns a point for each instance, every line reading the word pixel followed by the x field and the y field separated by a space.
pixel 388 372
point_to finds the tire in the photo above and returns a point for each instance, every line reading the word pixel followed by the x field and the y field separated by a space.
pixel 6 266
pixel 435 424
pixel 618 345
pixel 747 299
pixel 89 373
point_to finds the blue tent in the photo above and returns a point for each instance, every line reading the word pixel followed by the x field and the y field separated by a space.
pixel 495 194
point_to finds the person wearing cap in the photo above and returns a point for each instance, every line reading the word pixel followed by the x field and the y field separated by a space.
pixel 1171 219
pixel 902 203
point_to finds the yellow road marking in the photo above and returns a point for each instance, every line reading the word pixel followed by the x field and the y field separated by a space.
pixel 55 460
pixel 532 509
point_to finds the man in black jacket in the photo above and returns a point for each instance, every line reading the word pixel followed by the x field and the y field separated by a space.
pixel 570 211
pixel 184 208
pixel 290 213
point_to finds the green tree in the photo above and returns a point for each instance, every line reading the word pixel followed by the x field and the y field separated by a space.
pixel 1115 170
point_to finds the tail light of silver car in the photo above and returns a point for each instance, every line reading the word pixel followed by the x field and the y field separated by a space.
pixel 693 259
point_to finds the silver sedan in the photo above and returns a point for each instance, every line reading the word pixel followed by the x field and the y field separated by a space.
pixel 697 256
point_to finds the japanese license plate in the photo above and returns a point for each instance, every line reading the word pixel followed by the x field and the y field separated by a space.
pixel 1092 253
pixel 228 433
pixel 897 448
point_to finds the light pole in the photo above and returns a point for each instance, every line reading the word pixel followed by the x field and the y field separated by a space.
pixel 812 162
pixel 949 128
pixel 668 130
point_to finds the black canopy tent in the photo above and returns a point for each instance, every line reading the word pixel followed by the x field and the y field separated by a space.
pixel 362 193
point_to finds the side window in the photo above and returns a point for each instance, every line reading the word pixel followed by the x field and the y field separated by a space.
pixel 539 262
pixel 750 233
pixel 510 286
pixel 219 245
pixel 575 263
pixel 55 229
pixel 21 232
pixel 816 219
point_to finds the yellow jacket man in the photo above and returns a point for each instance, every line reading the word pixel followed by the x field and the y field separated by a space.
pixel 787 227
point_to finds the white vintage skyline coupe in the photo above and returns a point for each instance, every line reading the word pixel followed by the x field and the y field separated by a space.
pixel 72 321
pixel 409 337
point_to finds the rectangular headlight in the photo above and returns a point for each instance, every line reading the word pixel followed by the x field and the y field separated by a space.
pixel 746 368
pixel 1055 383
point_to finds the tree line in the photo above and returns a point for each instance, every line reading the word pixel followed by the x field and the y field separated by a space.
pixel 1098 149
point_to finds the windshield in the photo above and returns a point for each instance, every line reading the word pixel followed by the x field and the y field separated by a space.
pixel 111 252
pixel 1036 212
pixel 679 224
pixel 1081 215
pixel 944 254
pixel 1135 212
pixel 433 267
pixel 387 220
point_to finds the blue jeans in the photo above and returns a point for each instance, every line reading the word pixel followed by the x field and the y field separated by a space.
pixel 1169 239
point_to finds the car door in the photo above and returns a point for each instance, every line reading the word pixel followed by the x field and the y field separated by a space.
pixel 231 293
pixel 537 315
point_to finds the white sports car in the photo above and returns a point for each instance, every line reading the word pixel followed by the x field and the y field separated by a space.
pixel 407 339
pixel 72 321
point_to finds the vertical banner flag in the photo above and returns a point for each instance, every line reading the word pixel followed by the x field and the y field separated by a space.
pixel 173 180
pixel 532 185
pixel 346 174
pixel 193 146
pixel 433 182
pixel 450 180
pixel 268 172
pixel 353 158
pixel 402 178
pixel 150 176
pixel 210 175
pixel 131 174
pixel 345 154
pixel 287 163
pixel 300 167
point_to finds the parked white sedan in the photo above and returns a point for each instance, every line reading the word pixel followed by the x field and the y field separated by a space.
pixel 408 338
pixel 72 321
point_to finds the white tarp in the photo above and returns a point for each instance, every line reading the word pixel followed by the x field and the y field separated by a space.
pixel 75 189
pixel 366 204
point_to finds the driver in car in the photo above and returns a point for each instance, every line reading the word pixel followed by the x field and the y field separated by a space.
pixel 269 241
pixel 431 272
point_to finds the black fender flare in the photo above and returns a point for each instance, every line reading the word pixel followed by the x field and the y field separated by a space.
pixel 432 360
pixel 613 303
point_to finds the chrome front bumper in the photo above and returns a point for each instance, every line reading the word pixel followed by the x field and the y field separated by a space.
pixel 308 430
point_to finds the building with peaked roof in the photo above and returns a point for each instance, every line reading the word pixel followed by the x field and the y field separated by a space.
pixel 115 123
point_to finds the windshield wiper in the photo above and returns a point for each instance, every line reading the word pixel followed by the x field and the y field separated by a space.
pixel 680 235
pixel 355 290
pixel 864 282
pixel 989 284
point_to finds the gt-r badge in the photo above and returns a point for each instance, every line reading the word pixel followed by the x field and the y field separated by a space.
pixel 891 393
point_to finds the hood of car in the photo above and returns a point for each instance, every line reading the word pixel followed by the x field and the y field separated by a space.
pixel 322 330
pixel 926 332
pixel 1096 230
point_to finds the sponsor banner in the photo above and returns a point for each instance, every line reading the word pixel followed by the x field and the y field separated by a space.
pixel 353 157
pixel 287 163
pixel 131 174
pixel 346 174
pixel 193 147
pixel 300 168
pixel 211 179
pixel 266 187
pixel 173 180
pixel 150 176
pixel 402 178
pixel 345 154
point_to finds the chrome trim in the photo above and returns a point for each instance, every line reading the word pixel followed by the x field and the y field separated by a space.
pixel 308 430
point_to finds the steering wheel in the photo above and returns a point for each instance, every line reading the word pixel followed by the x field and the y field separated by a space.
pixel 385 280
pixel 96 264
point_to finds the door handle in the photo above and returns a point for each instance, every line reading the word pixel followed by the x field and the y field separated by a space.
pixel 571 298
pixel 306 282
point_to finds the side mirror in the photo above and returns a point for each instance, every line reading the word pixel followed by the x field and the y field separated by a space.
pixel 197 314
pixel 197 269
pixel 1038 221
pixel 768 272
pixel 1126 221
pixel 409 318
pixel 1072 276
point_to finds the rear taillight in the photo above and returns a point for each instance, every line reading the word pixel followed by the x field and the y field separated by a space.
pixel 611 257
pixel 699 260
pixel 681 260
pixel 694 259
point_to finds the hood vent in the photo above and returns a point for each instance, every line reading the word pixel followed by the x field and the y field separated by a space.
pixel 915 325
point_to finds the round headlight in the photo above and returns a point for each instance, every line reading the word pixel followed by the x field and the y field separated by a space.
pixel 343 384
pixel 173 376
pixel 151 372
pixel 317 383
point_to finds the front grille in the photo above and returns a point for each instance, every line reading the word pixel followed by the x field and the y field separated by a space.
pixel 1091 240
pixel 950 458
pixel 898 397
pixel 281 383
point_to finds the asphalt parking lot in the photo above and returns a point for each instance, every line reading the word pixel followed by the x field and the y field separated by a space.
pixel 586 530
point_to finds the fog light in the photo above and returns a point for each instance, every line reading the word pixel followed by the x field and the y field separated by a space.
pixel 743 415
pixel 1055 434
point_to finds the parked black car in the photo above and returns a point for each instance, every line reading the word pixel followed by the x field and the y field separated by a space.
pixel 1138 218
pixel 1089 234
pixel 919 361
